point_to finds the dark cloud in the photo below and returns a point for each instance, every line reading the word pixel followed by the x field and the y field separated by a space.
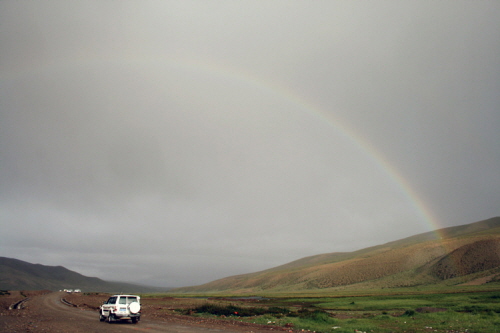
pixel 191 140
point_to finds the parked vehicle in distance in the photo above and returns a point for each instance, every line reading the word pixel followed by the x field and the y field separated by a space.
pixel 121 307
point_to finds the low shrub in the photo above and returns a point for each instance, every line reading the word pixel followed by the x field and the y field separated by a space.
pixel 409 313
pixel 474 309
pixel 315 315
pixel 278 312
pixel 233 310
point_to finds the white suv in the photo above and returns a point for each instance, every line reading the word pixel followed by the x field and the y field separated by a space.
pixel 121 307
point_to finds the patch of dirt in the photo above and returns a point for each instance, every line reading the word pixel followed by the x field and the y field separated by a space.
pixel 164 309
pixel 12 320
pixel 15 296
pixel 481 280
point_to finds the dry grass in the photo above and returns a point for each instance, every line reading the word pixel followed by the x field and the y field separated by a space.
pixel 388 267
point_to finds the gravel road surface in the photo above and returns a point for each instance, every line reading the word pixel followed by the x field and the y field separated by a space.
pixel 47 313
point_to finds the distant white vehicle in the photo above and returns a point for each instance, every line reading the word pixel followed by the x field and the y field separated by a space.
pixel 68 290
pixel 77 291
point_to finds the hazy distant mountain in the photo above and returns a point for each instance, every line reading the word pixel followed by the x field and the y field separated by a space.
pixel 21 275
pixel 467 254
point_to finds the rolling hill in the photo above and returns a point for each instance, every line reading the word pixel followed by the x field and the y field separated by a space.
pixel 21 275
pixel 467 254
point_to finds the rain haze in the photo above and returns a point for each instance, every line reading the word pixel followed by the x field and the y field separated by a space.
pixel 172 143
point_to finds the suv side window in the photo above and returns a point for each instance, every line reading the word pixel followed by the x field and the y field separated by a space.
pixel 123 300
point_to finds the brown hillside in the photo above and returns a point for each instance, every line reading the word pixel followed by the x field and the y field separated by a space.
pixel 479 256
pixel 417 260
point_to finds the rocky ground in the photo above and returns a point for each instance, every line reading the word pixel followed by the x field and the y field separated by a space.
pixel 34 317
pixel 166 309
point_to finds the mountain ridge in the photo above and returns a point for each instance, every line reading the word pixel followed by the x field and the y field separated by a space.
pixel 464 254
pixel 450 255
pixel 16 274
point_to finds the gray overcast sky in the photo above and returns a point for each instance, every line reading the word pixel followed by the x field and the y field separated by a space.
pixel 176 142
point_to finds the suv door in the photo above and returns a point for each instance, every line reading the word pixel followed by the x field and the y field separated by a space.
pixel 110 303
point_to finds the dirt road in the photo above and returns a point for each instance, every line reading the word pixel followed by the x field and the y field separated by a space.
pixel 46 313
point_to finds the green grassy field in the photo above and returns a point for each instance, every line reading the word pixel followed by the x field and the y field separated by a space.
pixel 474 309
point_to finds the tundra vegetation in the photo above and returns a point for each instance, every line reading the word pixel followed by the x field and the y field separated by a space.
pixel 464 309
pixel 444 281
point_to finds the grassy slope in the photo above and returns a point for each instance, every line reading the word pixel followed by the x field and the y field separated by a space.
pixel 458 255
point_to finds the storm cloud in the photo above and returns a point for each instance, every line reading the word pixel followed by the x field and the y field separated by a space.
pixel 176 142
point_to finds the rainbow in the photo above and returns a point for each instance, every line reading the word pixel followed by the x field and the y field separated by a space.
pixel 425 214
pixel 239 75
